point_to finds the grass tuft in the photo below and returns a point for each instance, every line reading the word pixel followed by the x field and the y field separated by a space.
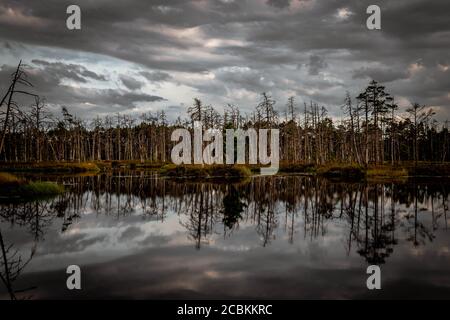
pixel 43 188
pixel 12 186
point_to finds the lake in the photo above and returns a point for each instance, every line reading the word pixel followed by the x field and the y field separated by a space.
pixel 141 236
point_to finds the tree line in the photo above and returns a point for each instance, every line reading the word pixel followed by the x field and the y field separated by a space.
pixel 372 131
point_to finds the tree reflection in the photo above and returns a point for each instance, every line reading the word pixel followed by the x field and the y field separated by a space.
pixel 233 207
pixel 418 233
pixel 201 204
pixel 11 266
pixel 376 215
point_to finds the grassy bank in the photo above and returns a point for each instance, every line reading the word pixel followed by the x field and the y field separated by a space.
pixel 344 172
pixel 215 172
pixel 12 186
pixel 77 167
pixel 306 168
pixel 336 171
pixel 49 167
pixel 403 171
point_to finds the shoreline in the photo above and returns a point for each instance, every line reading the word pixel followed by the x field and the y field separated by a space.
pixel 332 170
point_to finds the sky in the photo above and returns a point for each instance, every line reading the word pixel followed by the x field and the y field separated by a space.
pixel 138 56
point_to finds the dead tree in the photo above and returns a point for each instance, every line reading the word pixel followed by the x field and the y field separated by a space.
pixel 18 77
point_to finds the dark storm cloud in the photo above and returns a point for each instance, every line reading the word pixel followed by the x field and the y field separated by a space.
pixel 417 19
pixel 381 74
pixel 311 28
pixel 269 37
pixel 279 3
pixel 156 76
pixel 84 100
pixel 130 82
pixel 69 71
pixel 316 63
pixel 244 78
pixel 427 83
pixel 122 29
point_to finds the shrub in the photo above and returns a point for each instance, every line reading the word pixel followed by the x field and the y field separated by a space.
pixel 12 186
pixel 43 188
pixel 346 172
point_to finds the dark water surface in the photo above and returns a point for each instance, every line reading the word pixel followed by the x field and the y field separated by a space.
pixel 137 235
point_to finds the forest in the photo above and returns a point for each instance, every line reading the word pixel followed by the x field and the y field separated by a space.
pixel 372 131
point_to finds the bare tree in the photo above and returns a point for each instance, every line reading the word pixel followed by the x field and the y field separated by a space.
pixel 19 77
pixel 419 114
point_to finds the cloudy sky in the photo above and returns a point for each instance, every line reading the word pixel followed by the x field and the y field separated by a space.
pixel 135 56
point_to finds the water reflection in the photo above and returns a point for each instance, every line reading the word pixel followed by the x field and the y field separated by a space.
pixel 114 216
pixel 233 207
pixel 11 266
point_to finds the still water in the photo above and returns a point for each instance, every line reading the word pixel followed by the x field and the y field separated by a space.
pixel 141 236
